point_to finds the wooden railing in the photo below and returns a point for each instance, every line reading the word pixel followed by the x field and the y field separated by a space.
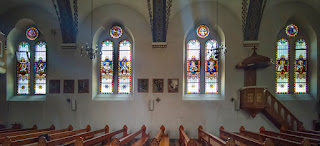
pixel 184 140
pixel 242 140
pixel 211 140
pixel 280 115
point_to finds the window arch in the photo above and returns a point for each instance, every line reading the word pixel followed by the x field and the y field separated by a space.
pixel 31 80
pixel 202 64
pixel 291 67
pixel 115 63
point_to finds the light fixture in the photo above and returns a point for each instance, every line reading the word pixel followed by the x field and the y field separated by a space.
pixel 90 50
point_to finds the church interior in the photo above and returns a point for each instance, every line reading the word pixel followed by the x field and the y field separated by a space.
pixel 159 72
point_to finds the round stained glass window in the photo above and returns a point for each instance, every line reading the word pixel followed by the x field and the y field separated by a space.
pixel 292 30
pixel 203 31
pixel 116 32
pixel 32 33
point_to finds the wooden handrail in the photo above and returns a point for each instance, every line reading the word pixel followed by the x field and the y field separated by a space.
pixel 224 135
pixel 288 136
pixel 105 138
pixel 202 134
pixel 310 135
pixel 44 142
pixel 275 140
pixel 289 124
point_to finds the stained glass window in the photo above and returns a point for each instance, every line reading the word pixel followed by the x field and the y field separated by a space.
pixel 32 33
pixel 211 69
pixel 203 31
pixel 116 32
pixel 193 66
pixel 282 67
pixel 40 66
pixel 23 68
pixel 106 81
pixel 300 75
pixel 124 72
pixel 292 30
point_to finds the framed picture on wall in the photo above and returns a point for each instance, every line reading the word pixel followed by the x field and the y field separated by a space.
pixel 143 85
pixel 157 85
pixel 54 86
pixel 173 85
pixel 83 86
pixel 68 86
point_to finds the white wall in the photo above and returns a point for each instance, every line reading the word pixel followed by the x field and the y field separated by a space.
pixel 151 63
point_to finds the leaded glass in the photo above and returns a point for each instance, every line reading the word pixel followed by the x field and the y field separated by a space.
pixel 282 67
pixel 203 31
pixel 193 67
pixel 23 68
pixel 300 75
pixel 292 30
pixel 40 66
pixel 116 32
pixel 211 70
pixel 32 33
pixel 106 71
pixel 124 72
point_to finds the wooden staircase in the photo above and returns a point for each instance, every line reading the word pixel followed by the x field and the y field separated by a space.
pixel 279 115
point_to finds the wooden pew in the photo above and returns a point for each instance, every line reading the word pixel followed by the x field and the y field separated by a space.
pixel 276 140
pixel 298 133
pixel 14 127
pixel 184 140
pixel 16 130
pixel 50 136
pixel 70 139
pixel 160 139
pixel 104 139
pixel 209 139
pixel 30 138
pixel 130 137
pixel 289 136
pixel 311 131
pixel 242 140
pixel 3 135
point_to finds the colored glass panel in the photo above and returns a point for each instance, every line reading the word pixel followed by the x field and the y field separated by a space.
pixel 106 70
pixel 300 75
pixel 40 66
pixel 32 33
pixel 193 67
pixel 282 67
pixel 124 72
pixel 23 68
pixel 203 31
pixel 211 69
pixel 292 30
pixel 116 32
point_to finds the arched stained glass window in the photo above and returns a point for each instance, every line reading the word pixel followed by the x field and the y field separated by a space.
pixel 211 70
pixel 300 75
pixel 193 66
pixel 40 65
pixel 282 67
pixel 124 79
pixel 23 68
pixel 106 71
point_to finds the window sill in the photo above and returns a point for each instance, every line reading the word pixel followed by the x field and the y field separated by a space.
pixel 294 97
pixel 199 97
pixel 113 97
pixel 27 98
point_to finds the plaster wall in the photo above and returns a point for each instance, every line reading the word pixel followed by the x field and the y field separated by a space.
pixel 172 111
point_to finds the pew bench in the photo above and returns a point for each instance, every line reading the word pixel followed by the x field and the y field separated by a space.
pixel 184 140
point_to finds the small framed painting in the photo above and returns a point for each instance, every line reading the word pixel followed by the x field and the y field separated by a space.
pixel 173 85
pixel 83 86
pixel 68 86
pixel 157 85
pixel 54 86
pixel 143 85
